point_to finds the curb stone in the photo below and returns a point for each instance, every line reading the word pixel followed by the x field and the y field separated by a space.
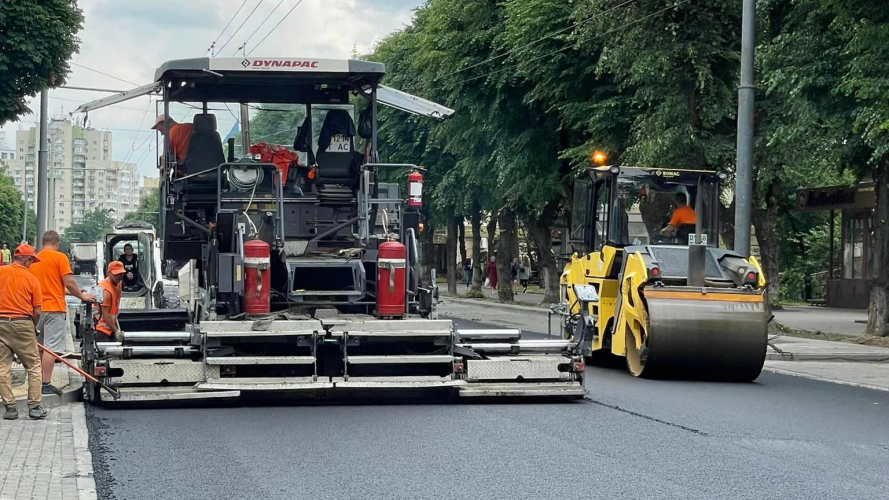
pixel 86 484
pixel 791 373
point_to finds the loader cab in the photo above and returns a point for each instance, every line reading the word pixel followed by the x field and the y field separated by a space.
pixel 140 291
pixel 621 206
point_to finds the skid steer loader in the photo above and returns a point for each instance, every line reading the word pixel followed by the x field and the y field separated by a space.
pixel 663 296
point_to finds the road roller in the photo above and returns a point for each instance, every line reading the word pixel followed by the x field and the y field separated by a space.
pixel 647 280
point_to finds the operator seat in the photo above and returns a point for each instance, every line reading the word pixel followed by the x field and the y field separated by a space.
pixel 682 232
pixel 204 150
pixel 338 163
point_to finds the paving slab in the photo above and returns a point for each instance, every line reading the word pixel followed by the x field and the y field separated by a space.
pixel 46 459
pixel 801 349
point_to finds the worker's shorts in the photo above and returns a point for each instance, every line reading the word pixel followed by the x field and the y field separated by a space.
pixel 52 329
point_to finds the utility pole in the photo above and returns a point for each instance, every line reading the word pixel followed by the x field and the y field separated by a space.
pixel 42 185
pixel 744 173
pixel 25 200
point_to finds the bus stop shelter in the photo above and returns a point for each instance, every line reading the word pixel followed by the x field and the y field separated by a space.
pixel 846 282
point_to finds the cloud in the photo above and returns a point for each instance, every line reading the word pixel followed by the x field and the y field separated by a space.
pixel 131 38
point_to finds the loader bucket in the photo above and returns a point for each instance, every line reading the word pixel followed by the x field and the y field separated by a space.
pixel 704 334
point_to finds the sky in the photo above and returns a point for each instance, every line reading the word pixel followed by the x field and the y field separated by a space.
pixel 129 39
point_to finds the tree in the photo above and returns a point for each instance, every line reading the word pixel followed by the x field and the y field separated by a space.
pixel 37 38
pixel 11 209
pixel 148 210
pixel 91 228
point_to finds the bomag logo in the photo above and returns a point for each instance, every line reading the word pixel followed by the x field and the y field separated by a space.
pixel 284 64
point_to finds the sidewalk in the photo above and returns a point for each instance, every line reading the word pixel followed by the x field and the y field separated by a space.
pixel 47 459
pixel 838 362
pixel 823 319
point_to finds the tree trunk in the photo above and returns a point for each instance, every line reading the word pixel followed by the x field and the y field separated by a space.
pixel 878 312
pixel 427 255
pixel 506 251
pixel 451 252
pixel 540 230
pixel 764 221
pixel 491 229
pixel 475 219
pixel 461 239
pixel 727 224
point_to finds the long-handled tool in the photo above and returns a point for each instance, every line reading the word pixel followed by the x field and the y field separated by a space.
pixel 114 392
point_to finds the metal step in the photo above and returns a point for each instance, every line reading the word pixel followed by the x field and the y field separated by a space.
pixel 278 328
pixel 400 359
pixel 261 360
pixel 172 394
pixel 550 389
pixel 265 384
pixel 390 328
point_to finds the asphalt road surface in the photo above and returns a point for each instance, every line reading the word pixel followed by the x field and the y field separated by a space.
pixel 780 437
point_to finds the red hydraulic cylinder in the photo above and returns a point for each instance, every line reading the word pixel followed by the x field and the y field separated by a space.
pixel 391 280
pixel 257 277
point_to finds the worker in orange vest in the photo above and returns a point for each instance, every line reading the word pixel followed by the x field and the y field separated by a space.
pixel 106 318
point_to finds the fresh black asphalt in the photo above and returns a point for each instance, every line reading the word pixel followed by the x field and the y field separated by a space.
pixel 780 437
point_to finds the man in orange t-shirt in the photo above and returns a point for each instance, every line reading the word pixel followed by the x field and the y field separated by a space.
pixel 106 319
pixel 180 133
pixel 54 273
pixel 20 300
pixel 683 214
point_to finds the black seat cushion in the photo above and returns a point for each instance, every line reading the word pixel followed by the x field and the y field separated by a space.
pixel 338 162
pixel 204 149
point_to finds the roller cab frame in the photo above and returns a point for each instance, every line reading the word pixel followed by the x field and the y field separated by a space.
pixel 674 305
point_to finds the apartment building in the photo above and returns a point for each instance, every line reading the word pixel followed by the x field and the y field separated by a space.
pixel 81 174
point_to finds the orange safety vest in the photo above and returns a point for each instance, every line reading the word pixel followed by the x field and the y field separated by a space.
pixel 114 291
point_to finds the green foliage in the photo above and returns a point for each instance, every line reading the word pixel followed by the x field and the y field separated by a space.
pixel 91 228
pixel 11 209
pixel 148 210
pixel 37 39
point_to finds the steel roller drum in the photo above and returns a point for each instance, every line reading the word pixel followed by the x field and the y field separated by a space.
pixel 702 339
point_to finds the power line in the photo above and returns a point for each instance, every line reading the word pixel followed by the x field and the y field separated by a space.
pixel 241 26
pixel 136 137
pixel 83 102
pixel 101 73
pixel 543 38
pixel 276 26
pixel 243 45
pixel 212 45
pixel 574 45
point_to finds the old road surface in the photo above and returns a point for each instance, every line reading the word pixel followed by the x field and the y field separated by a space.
pixel 780 437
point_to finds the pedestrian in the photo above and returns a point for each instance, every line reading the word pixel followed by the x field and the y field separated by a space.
pixel 492 272
pixel 20 301
pixel 525 273
pixel 5 256
pixel 56 279
pixel 514 274
pixel 467 271
pixel 106 317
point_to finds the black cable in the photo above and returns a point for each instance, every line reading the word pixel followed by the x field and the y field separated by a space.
pixel 276 26
pixel 244 45
pixel 241 26
pixel 103 74
pixel 213 44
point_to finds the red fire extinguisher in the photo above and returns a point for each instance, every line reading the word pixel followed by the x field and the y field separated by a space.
pixel 391 279
pixel 415 189
pixel 257 279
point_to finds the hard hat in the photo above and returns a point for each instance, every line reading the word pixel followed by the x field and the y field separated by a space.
pixel 26 250
pixel 116 268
